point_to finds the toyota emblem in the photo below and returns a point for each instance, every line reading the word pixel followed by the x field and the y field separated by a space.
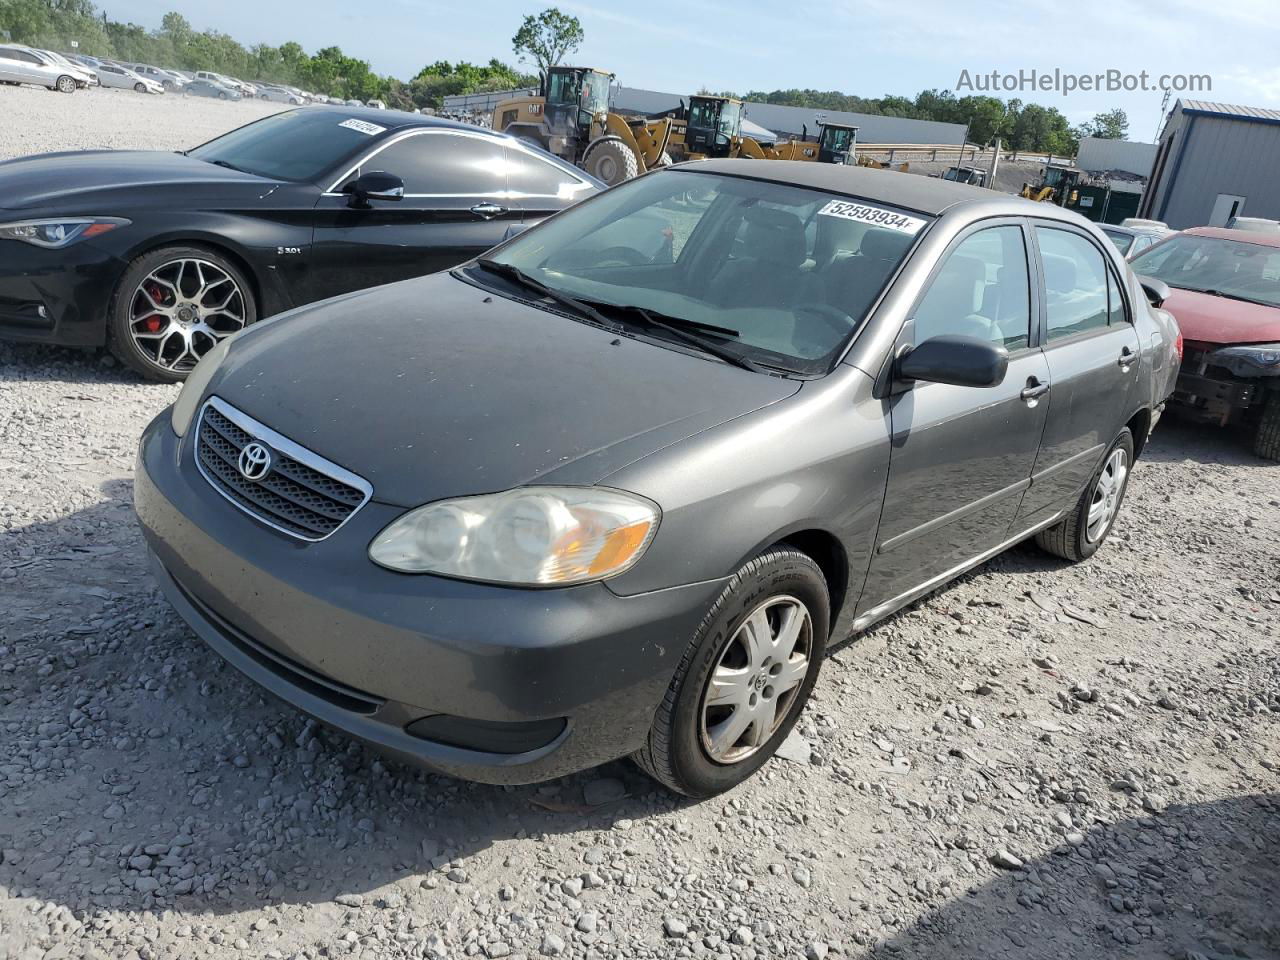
pixel 254 461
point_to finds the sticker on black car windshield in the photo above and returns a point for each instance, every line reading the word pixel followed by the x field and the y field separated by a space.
pixel 363 126
pixel 876 216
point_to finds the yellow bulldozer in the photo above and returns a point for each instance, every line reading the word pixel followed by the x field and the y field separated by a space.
pixel 570 117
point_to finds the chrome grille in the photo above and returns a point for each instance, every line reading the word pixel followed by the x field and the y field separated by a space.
pixel 302 494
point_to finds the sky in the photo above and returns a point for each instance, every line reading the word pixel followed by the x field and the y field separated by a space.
pixel 864 47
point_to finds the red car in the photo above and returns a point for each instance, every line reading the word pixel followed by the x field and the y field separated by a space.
pixel 1225 293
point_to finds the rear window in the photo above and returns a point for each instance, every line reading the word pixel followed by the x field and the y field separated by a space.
pixel 296 145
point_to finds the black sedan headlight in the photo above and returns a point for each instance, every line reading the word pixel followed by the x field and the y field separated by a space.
pixel 58 232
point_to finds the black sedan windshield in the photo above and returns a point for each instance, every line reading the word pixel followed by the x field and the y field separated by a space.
pixel 295 145
pixel 779 275
pixel 1229 268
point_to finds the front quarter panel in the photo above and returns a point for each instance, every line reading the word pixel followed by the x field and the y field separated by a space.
pixel 816 461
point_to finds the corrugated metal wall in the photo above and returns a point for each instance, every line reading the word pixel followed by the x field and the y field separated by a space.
pixel 1096 154
pixel 1222 155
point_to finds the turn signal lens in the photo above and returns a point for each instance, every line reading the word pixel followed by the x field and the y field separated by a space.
pixel 530 536
pixel 56 234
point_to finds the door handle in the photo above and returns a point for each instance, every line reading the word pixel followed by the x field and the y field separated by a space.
pixel 488 210
pixel 1033 391
pixel 1127 357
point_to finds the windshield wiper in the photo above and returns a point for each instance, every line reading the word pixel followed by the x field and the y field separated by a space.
pixel 692 332
pixel 223 163
pixel 1236 296
pixel 514 273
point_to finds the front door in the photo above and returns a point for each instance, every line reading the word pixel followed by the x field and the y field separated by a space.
pixel 961 457
pixel 1092 349
pixel 455 207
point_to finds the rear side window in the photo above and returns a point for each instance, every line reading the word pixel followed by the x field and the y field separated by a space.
pixel 982 290
pixel 1075 280
pixel 444 164
pixel 533 177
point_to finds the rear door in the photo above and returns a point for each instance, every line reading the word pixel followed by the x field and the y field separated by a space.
pixel 540 187
pixel 961 457
pixel 456 205
pixel 1092 349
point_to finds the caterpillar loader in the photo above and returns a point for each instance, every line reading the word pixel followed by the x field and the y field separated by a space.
pixel 1058 184
pixel 571 119
pixel 713 128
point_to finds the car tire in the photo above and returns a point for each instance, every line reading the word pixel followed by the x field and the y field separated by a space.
pixel 140 87
pixel 222 96
pixel 688 748
pixel 1078 536
pixel 127 311
pixel 1266 441
pixel 612 161
pixel 65 84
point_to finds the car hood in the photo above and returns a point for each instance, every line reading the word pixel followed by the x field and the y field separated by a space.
pixel 433 388
pixel 1205 318
pixel 56 180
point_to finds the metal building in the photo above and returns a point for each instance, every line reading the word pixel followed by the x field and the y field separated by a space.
pixel 1215 161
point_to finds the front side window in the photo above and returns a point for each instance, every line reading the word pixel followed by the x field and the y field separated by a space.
pixel 444 164
pixel 722 252
pixel 1235 269
pixel 295 145
pixel 1075 281
pixel 982 290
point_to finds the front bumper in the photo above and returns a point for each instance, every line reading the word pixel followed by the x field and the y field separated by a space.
pixel 56 296
pixel 370 651
pixel 1213 389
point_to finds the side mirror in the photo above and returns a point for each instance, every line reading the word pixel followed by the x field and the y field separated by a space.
pixel 962 361
pixel 1157 291
pixel 375 185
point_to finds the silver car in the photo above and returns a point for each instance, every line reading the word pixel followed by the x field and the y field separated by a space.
pixel 279 95
pixel 123 78
pixel 20 64
pixel 168 80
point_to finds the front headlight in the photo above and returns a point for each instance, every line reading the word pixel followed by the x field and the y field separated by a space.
pixel 1265 356
pixel 184 408
pixel 56 233
pixel 530 536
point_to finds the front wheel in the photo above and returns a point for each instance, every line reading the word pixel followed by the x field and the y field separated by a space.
pixel 611 161
pixel 222 96
pixel 140 87
pixel 1079 535
pixel 66 85
pixel 174 305
pixel 1266 441
pixel 744 679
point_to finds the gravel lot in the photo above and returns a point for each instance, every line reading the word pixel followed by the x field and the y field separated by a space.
pixel 1038 761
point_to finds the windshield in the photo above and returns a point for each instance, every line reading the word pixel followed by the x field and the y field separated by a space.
pixel 1122 241
pixel 596 95
pixel 1231 268
pixel 730 119
pixel 788 273
pixel 295 145
pixel 702 113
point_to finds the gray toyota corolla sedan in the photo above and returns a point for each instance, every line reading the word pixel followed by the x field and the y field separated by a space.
pixel 613 488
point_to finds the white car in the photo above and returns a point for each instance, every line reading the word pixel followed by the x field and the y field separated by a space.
pixel 84 72
pixel 19 64
pixel 279 95
pixel 123 78
pixel 166 79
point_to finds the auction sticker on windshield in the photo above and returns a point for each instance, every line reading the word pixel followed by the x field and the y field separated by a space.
pixel 876 216
pixel 363 126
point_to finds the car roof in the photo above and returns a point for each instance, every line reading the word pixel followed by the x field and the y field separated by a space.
pixel 1270 239
pixel 929 195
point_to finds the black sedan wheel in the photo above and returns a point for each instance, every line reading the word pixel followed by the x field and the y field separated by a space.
pixel 744 678
pixel 66 85
pixel 173 306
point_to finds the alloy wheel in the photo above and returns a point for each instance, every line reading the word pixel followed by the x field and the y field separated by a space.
pixel 66 85
pixel 756 679
pixel 1106 495
pixel 180 311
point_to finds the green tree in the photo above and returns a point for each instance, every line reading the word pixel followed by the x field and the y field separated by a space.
pixel 547 38
pixel 1111 125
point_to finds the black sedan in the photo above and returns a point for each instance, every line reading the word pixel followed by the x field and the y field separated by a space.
pixel 162 255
